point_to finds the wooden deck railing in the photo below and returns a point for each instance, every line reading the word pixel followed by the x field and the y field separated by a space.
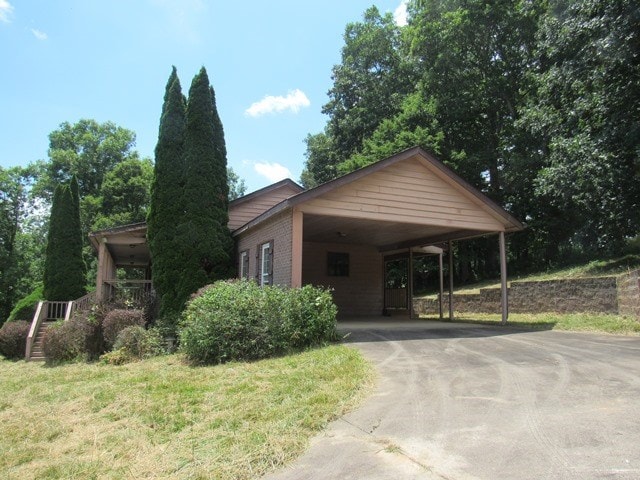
pixel 131 293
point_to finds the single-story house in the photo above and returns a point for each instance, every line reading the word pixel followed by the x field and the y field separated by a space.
pixel 339 234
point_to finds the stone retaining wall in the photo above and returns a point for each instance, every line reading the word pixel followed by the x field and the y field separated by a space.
pixel 629 294
pixel 596 294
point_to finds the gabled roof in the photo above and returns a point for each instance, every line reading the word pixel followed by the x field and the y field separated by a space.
pixel 265 190
pixel 445 174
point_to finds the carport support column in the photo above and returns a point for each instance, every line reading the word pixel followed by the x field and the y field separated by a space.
pixel 450 280
pixel 296 248
pixel 503 279
pixel 441 284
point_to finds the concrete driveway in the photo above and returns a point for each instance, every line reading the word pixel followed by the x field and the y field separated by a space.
pixel 459 401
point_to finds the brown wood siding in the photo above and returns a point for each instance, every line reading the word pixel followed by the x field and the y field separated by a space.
pixel 406 192
pixel 246 211
pixel 358 294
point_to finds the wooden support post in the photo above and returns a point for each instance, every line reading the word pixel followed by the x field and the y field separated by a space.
pixel 441 284
pixel 296 249
pixel 503 279
pixel 450 280
pixel 410 289
pixel 102 267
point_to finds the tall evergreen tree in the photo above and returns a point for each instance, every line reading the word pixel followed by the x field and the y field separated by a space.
pixel 64 269
pixel 167 197
pixel 205 241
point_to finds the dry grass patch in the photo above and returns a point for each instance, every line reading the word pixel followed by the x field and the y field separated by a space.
pixel 162 419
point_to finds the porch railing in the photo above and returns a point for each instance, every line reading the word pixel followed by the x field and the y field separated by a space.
pixel 131 293
pixel 46 311
pixel 395 298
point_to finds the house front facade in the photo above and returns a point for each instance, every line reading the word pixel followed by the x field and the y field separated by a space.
pixel 342 233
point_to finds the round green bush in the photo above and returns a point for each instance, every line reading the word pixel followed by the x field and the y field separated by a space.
pixel 13 339
pixel 26 307
pixel 238 320
pixel 117 320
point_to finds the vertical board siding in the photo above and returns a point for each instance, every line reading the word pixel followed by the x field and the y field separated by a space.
pixel 358 294
pixel 279 230
pixel 244 212
pixel 408 191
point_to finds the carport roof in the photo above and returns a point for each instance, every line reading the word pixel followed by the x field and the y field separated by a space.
pixel 432 206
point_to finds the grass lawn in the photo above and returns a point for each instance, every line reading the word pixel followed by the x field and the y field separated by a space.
pixel 576 322
pixel 163 419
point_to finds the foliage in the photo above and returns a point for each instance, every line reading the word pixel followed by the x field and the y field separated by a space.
pixel 368 87
pixel 160 418
pixel 88 150
pixel 67 341
pixel 25 308
pixel 13 339
pixel 205 240
pixel 135 343
pixel 64 270
pixel 14 183
pixel 117 320
pixel 237 185
pixel 238 320
pixel 167 200
pixel 124 195
pixel 588 77
pixel 528 101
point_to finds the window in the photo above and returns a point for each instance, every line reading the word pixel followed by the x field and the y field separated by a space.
pixel 264 265
pixel 243 265
pixel 337 264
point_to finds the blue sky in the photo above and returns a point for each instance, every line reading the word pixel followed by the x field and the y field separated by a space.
pixel 268 61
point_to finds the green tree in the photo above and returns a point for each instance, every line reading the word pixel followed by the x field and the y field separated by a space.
pixel 125 194
pixel 88 150
pixel 13 201
pixel 368 87
pixel 582 112
pixel 205 240
pixel 237 185
pixel 64 269
pixel 167 198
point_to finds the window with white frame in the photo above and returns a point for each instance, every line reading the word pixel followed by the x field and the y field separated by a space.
pixel 243 265
pixel 265 264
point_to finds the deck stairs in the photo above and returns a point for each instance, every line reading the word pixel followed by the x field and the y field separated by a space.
pixel 46 314
pixel 37 353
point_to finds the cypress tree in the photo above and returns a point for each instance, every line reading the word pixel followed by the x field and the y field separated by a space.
pixel 167 204
pixel 204 237
pixel 64 269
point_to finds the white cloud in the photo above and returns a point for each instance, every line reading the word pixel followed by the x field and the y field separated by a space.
pixel 6 9
pixel 270 104
pixel 40 35
pixel 400 14
pixel 273 171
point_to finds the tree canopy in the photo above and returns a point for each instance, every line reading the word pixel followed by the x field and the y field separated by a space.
pixel 528 101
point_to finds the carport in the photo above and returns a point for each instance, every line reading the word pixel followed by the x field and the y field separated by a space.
pixel 410 204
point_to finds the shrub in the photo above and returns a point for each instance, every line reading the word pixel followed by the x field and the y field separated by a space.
pixel 139 342
pixel 92 321
pixel 238 320
pixel 13 339
pixel 117 320
pixel 66 341
pixel 26 307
